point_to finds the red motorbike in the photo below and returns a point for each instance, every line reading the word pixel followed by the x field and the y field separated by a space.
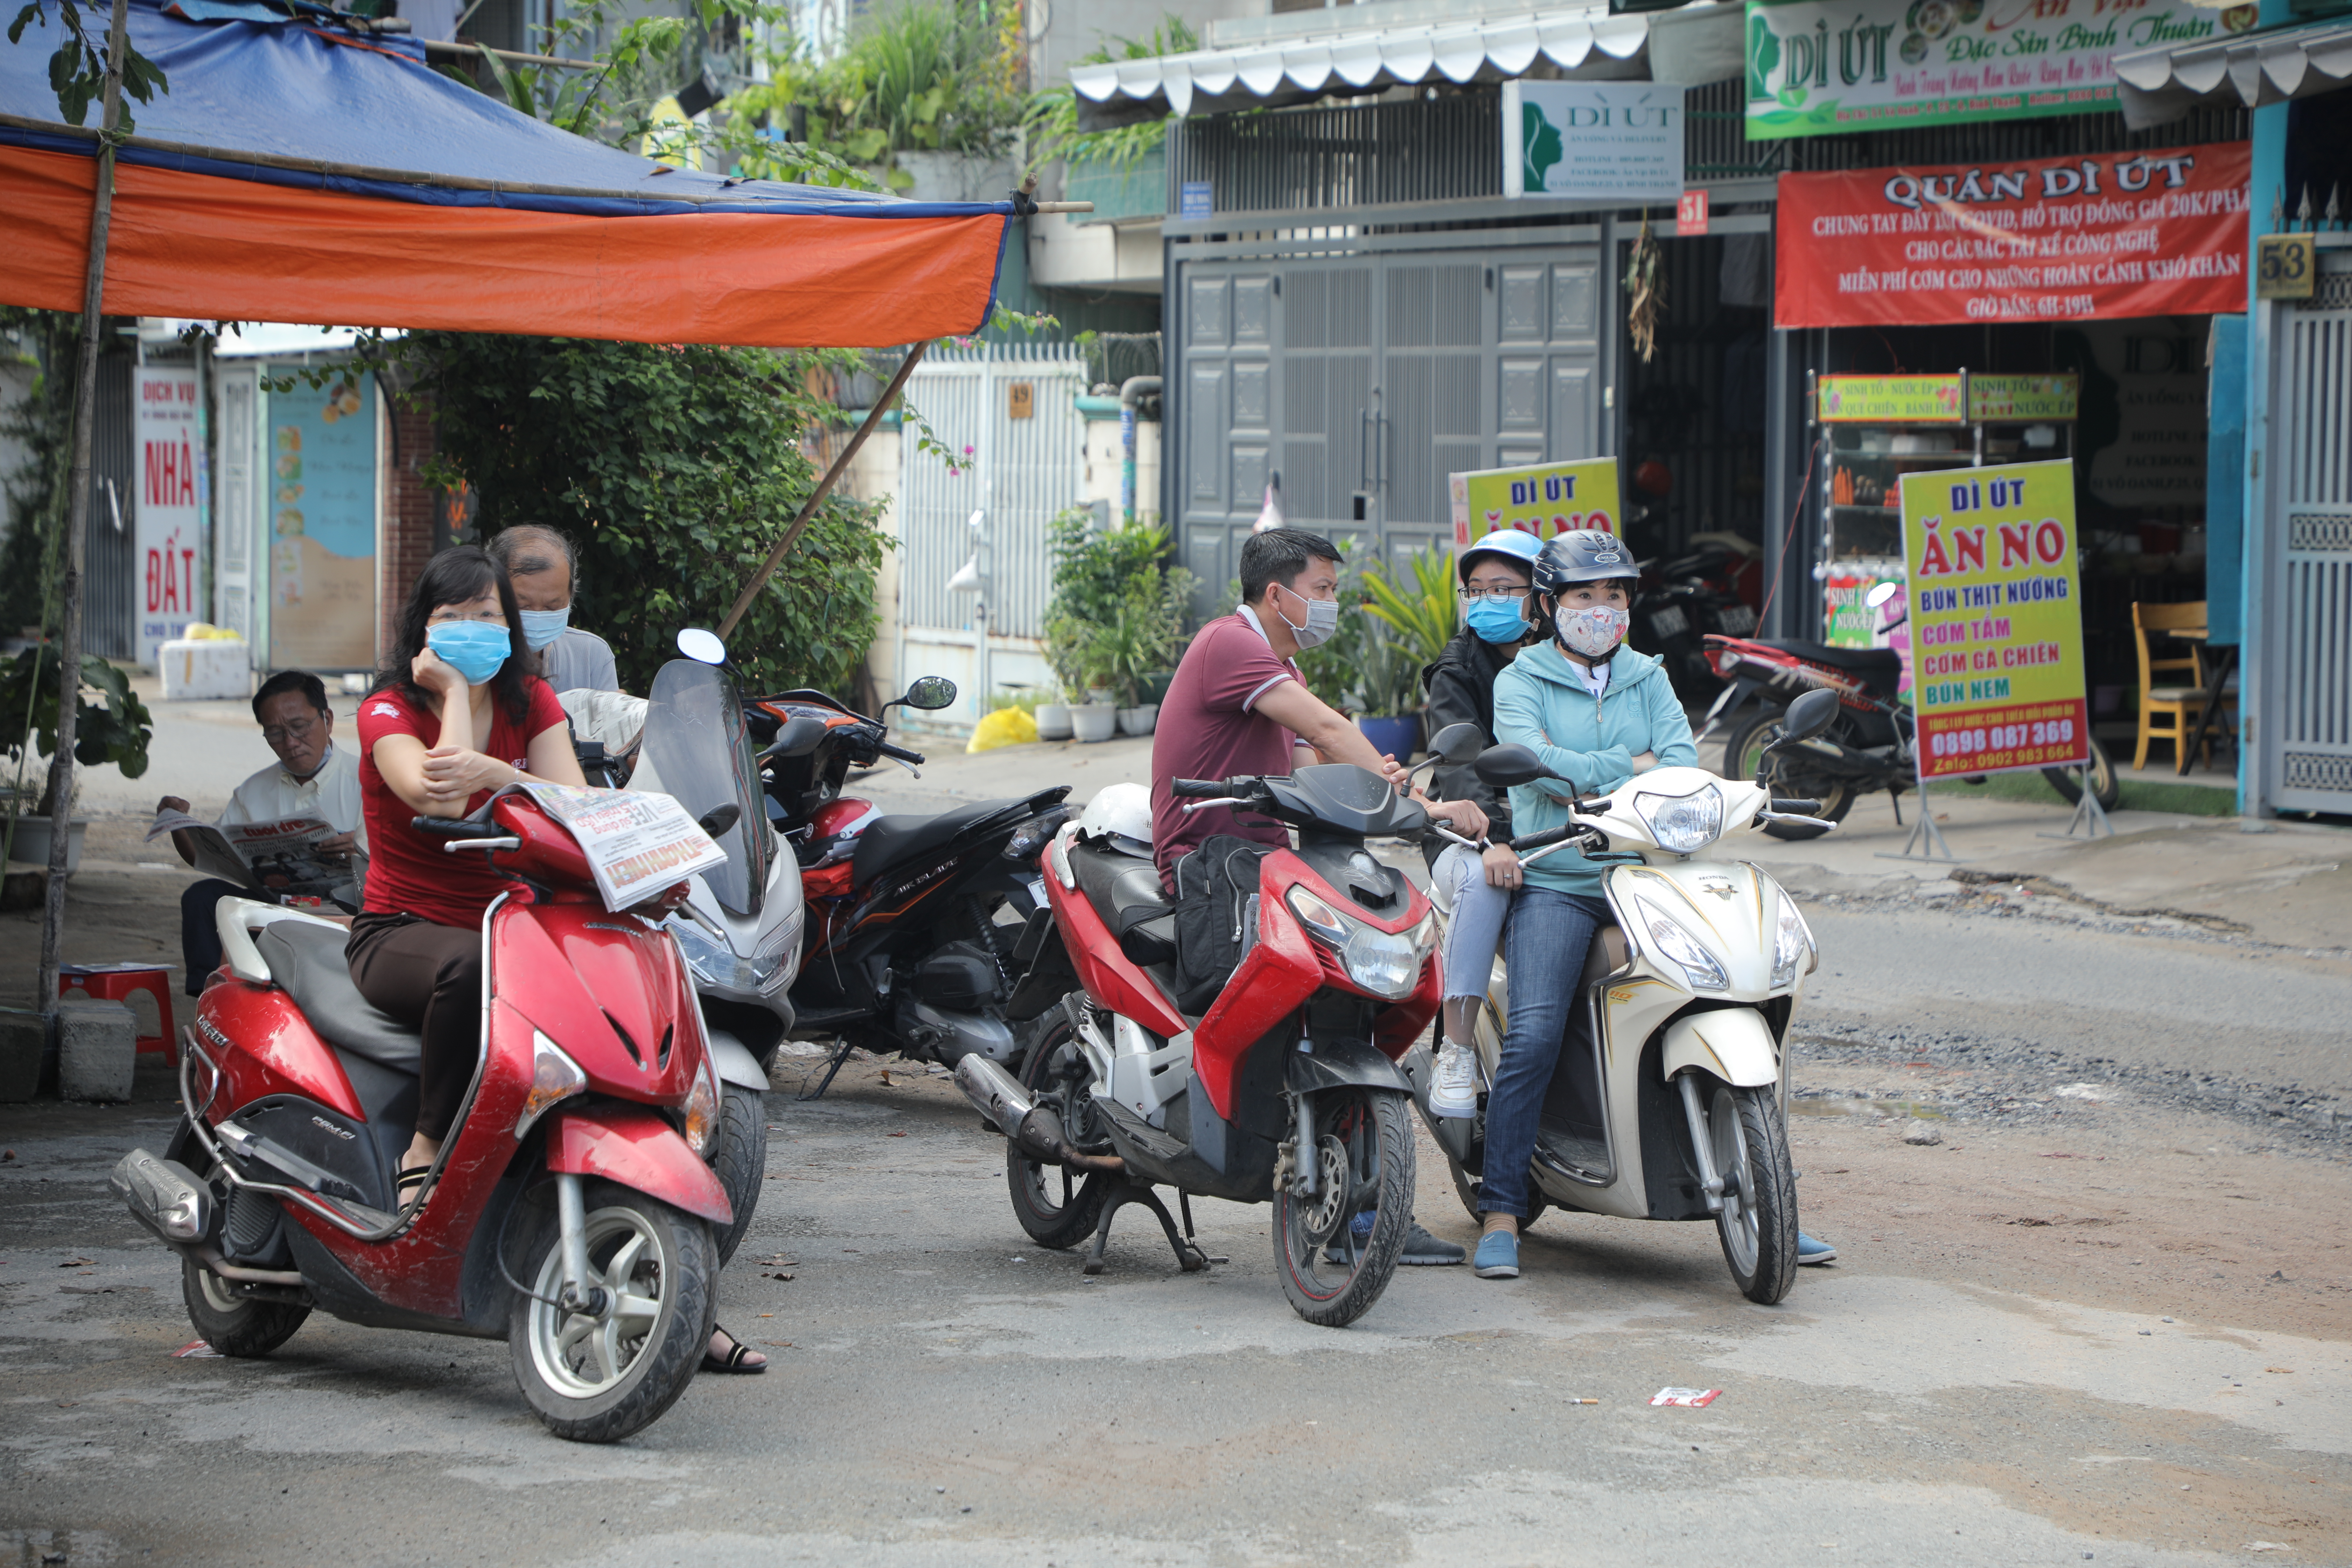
pixel 571 1211
pixel 1284 1089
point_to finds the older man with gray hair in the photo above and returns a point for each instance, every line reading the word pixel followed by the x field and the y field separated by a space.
pixel 542 563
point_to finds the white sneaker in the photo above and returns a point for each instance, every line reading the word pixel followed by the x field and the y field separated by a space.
pixel 1454 1086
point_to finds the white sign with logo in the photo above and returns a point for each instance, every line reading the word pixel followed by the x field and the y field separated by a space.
pixel 1611 142
pixel 169 511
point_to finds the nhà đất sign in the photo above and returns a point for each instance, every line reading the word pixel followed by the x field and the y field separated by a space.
pixel 2118 234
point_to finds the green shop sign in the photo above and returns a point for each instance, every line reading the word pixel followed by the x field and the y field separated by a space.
pixel 1816 68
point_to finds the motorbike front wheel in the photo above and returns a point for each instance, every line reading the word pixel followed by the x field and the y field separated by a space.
pixel 1758 1226
pixel 1363 1154
pixel 600 1379
pixel 1787 778
pixel 740 1159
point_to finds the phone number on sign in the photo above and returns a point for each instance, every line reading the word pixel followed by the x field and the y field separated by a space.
pixel 2052 732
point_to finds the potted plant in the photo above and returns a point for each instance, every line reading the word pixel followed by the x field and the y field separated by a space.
pixel 110 725
pixel 1097 718
pixel 1053 711
pixel 1116 619
pixel 1390 692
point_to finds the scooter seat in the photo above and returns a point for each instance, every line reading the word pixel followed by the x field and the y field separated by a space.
pixel 1880 667
pixel 308 963
pixel 1126 892
pixel 889 841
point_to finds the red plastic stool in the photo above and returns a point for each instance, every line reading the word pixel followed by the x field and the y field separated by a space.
pixel 118 982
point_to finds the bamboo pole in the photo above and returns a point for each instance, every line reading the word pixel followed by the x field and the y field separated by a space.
pixel 824 489
pixel 61 765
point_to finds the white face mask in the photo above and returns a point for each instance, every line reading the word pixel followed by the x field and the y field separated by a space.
pixel 1595 630
pixel 1322 620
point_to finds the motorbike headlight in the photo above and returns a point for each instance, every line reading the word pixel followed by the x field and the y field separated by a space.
pixel 722 968
pixel 1683 824
pixel 1386 964
pixel 1673 940
pixel 702 1110
pixel 1792 942
pixel 554 1077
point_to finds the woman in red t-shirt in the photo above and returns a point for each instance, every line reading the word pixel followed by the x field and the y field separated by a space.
pixel 453 717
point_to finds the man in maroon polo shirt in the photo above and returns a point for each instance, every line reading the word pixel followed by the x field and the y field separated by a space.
pixel 1238 705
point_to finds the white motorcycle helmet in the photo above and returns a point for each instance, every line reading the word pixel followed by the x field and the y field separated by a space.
pixel 1120 815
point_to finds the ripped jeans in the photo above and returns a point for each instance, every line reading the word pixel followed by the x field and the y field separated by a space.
pixel 1475 933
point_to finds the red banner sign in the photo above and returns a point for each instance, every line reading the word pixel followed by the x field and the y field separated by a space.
pixel 2119 233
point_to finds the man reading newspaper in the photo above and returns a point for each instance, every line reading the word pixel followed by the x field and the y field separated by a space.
pixel 291 830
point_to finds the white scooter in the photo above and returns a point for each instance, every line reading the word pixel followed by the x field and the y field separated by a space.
pixel 1669 1100
pixel 741 926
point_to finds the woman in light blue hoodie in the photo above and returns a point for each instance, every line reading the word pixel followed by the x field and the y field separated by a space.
pixel 1597 713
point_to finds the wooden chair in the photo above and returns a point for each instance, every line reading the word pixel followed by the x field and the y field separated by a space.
pixel 2179 703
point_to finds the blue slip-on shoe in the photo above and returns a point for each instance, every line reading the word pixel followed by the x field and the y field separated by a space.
pixel 1498 1256
pixel 1421 1250
pixel 1811 1251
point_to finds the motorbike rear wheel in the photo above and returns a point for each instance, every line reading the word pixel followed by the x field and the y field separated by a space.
pixel 1057 1208
pixel 2104 786
pixel 598 1380
pixel 740 1156
pixel 1787 776
pixel 232 1324
pixel 1364 1160
pixel 1758 1226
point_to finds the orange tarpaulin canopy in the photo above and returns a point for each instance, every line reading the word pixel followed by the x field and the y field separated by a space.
pixel 289 176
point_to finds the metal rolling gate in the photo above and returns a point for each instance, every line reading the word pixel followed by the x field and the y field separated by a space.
pixel 2302 712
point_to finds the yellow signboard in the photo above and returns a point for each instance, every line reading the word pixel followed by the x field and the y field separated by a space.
pixel 2023 398
pixel 1996 619
pixel 1890 399
pixel 1542 499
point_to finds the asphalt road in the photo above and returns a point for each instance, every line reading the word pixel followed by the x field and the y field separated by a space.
pixel 1956 1390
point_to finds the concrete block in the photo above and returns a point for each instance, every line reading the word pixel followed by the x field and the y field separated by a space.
pixel 194 670
pixel 98 1049
pixel 23 1040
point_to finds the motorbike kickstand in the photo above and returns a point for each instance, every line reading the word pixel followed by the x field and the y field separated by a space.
pixel 1184 1206
pixel 1188 1257
pixel 832 1067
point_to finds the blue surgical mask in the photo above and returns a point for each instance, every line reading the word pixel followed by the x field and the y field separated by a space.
pixel 1498 623
pixel 541 627
pixel 475 649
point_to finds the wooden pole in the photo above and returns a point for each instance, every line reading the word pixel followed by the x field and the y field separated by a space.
pixel 817 497
pixel 61 765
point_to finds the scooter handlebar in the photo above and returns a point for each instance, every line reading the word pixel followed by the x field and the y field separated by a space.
pixel 912 759
pixel 1802 807
pixel 1197 789
pixel 1544 840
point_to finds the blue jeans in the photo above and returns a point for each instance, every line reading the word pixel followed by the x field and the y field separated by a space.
pixel 1544 946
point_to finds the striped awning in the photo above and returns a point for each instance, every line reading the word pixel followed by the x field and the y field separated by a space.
pixel 1696 44
pixel 2249 69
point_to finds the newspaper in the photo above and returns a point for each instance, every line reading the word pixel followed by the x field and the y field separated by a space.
pixel 270 858
pixel 636 844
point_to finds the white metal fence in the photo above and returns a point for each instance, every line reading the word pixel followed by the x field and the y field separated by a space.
pixel 1021 470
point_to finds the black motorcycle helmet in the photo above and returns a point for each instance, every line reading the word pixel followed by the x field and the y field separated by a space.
pixel 1582 555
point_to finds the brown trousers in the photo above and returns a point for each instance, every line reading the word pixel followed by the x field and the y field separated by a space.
pixel 429 977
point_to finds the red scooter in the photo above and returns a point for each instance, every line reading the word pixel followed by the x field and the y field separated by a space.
pixel 1284 1089
pixel 571 1211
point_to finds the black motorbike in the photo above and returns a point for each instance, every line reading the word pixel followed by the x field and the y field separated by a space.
pixel 918 925
pixel 1868 748
pixel 1684 600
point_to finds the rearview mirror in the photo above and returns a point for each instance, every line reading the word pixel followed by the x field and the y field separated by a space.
pixel 720 818
pixel 796 737
pixel 930 692
pixel 1881 594
pixel 702 646
pixel 1809 715
pixel 1504 766
pixel 1458 743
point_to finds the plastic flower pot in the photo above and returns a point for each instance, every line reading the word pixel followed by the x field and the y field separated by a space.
pixel 1053 720
pixel 1393 737
pixel 1094 722
pixel 1139 721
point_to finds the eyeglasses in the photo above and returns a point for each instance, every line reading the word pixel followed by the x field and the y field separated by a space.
pixel 277 734
pixel 1494 596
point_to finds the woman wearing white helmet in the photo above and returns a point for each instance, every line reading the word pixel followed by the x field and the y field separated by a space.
pixel 1496 573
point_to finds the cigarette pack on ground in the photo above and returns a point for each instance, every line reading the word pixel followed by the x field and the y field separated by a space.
pixel 1691 1397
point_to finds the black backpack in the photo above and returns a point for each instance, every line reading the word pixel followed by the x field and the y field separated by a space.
pixel 1216 916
